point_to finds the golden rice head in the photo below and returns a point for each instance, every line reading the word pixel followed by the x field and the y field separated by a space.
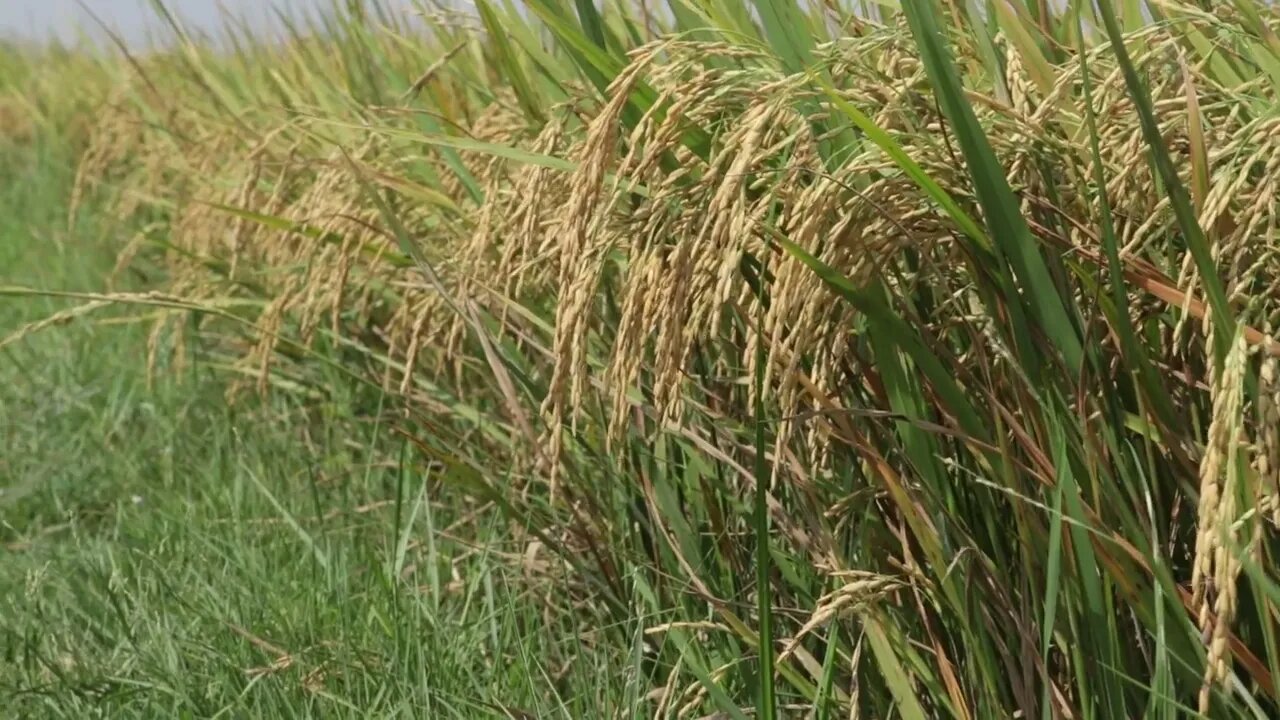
pixel 1267 459
pixel 1216 565
pixel 584 240
pixel 858 591
pixel 16 123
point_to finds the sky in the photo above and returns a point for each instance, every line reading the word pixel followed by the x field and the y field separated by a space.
pixel 39 19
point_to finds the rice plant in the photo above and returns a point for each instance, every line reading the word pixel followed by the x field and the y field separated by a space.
pixel 897 359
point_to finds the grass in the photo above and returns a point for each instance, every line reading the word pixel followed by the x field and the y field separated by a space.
pixel 170 555
pixel 786 358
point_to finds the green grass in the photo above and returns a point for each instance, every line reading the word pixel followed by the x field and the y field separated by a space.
pixel 166 554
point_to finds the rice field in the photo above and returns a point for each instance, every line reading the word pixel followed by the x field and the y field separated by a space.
pixel 698 359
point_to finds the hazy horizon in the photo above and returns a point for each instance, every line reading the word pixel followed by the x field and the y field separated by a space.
pixel 135 20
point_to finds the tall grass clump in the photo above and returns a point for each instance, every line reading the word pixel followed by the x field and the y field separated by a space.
pixel 879 360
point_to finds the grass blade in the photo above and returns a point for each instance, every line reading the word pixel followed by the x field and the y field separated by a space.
pixel 1003 215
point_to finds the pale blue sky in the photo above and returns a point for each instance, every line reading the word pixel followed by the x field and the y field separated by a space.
pixel 36 19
